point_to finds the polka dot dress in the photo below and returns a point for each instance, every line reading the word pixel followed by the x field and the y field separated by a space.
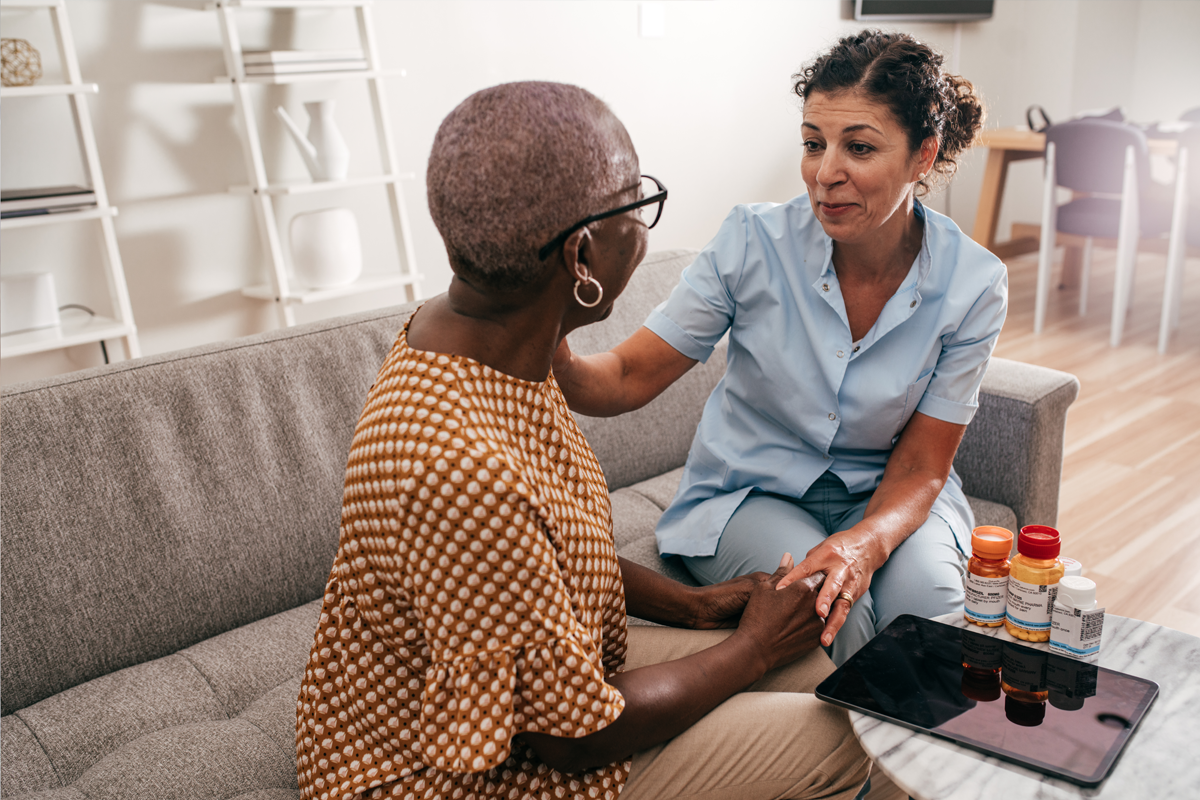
pixel 475 595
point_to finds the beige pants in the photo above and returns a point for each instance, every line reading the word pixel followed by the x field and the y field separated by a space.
pixel 774 741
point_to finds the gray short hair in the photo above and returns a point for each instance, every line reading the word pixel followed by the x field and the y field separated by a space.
pixel 512 167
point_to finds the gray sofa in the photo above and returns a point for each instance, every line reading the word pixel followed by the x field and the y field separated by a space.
pixel 169 523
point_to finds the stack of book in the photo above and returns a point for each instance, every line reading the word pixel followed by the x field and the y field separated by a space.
pixel 45 200
pixel 290 62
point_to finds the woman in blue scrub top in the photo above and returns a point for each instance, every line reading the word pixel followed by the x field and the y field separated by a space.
pixel 860 326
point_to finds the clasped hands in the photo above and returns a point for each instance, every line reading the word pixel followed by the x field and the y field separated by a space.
pixel 837 572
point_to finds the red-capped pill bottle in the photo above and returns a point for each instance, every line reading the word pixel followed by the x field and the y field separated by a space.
pixel 1033 583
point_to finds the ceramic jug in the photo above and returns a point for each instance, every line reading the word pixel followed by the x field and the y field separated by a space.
pixel 326 249
pixel 324 150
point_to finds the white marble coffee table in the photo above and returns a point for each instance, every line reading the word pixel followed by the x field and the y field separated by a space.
pixel 1162 760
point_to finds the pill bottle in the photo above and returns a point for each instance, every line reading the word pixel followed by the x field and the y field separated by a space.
pixel 1070 682
pixel 1032 583
pixel 982 657
pixel 986 582
pixel 1071 567
pixel 1023 681
pixel 1076 624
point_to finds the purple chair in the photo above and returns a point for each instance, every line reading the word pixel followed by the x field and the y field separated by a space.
pixel 1108 163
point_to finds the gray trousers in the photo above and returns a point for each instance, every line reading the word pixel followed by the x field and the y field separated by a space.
pixel 923 576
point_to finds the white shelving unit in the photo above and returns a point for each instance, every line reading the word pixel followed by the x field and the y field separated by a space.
pixel 74 330
pixel 279 287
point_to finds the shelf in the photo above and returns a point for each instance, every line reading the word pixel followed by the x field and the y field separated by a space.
pixel 29 4
pixel 49 89
pixel 369 283
pixel 313 77
pixel 309 187
pixel 62 216
pixel 74 330
pixel 297 3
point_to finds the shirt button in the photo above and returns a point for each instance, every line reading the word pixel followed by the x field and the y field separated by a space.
pixel 825 287
pixel 913 304
pixel 856 348
pixel 840 354
pixel 833 416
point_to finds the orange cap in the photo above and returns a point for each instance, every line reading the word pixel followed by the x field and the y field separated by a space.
pixel 991 541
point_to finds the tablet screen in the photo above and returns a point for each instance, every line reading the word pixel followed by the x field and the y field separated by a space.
pixel 1054 714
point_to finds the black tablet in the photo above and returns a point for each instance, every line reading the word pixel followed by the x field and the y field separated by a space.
pixel 1059 716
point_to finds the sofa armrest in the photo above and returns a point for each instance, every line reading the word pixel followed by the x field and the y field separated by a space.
pixel 1012 452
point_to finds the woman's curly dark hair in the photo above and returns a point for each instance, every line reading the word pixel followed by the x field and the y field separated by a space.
pixel 906 76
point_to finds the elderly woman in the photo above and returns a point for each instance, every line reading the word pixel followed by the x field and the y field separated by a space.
pixel 473 640
pixel 860 325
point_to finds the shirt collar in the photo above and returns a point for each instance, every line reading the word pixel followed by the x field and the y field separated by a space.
pixel 924 263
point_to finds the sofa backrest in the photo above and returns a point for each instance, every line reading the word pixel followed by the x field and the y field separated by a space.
pixel 155 503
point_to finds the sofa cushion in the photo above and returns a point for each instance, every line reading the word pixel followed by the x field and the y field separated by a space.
pixel 214 720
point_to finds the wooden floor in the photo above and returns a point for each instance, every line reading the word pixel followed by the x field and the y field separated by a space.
pixel 1130 502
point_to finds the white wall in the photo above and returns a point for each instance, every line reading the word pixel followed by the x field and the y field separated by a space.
pixel 708 106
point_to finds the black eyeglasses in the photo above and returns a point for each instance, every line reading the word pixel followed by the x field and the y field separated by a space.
pixel 659 197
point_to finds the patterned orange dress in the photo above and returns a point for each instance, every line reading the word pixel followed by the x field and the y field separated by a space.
pixel 475 595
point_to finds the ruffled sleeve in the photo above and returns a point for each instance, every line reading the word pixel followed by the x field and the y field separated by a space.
pixel 508 653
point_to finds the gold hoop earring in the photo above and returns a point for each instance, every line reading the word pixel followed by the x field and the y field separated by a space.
pixel 599 292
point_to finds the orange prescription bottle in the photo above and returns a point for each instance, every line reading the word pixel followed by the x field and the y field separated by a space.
pixel 1033 583
pixel 986 583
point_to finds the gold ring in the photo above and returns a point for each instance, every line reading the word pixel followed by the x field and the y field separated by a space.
pixel 849 598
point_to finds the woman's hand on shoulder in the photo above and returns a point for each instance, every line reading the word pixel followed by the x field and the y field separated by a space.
pixel 848 560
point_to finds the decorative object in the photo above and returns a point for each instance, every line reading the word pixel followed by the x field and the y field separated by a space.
pixel 325 152
pixel 20 63
pixel 28 302
pixel 326 250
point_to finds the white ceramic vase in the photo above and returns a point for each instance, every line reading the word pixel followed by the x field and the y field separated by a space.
pixel 326 249
pixel 324 150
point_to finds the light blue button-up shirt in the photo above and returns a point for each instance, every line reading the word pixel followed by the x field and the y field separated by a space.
pixel 799 396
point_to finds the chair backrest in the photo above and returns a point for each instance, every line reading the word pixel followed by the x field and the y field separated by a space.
pixel 1090 154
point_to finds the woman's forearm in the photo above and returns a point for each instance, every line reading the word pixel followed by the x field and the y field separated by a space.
pixel 661 702
pixel 914 476
pixel 657 598
pixel 899 507
pixel 621 380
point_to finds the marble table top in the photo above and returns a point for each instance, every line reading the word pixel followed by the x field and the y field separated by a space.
pixel 1161 760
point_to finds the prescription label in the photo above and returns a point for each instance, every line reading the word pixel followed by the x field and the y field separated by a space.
pixel 1076 633
pixel 985 598
pixel 1029 604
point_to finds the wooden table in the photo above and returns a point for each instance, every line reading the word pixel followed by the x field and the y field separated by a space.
pixel 1006 145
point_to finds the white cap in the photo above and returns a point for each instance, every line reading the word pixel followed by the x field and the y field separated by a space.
pixel 1077 592
pixel 1073 567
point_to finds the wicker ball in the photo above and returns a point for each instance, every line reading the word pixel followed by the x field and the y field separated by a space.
pixel 20 63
